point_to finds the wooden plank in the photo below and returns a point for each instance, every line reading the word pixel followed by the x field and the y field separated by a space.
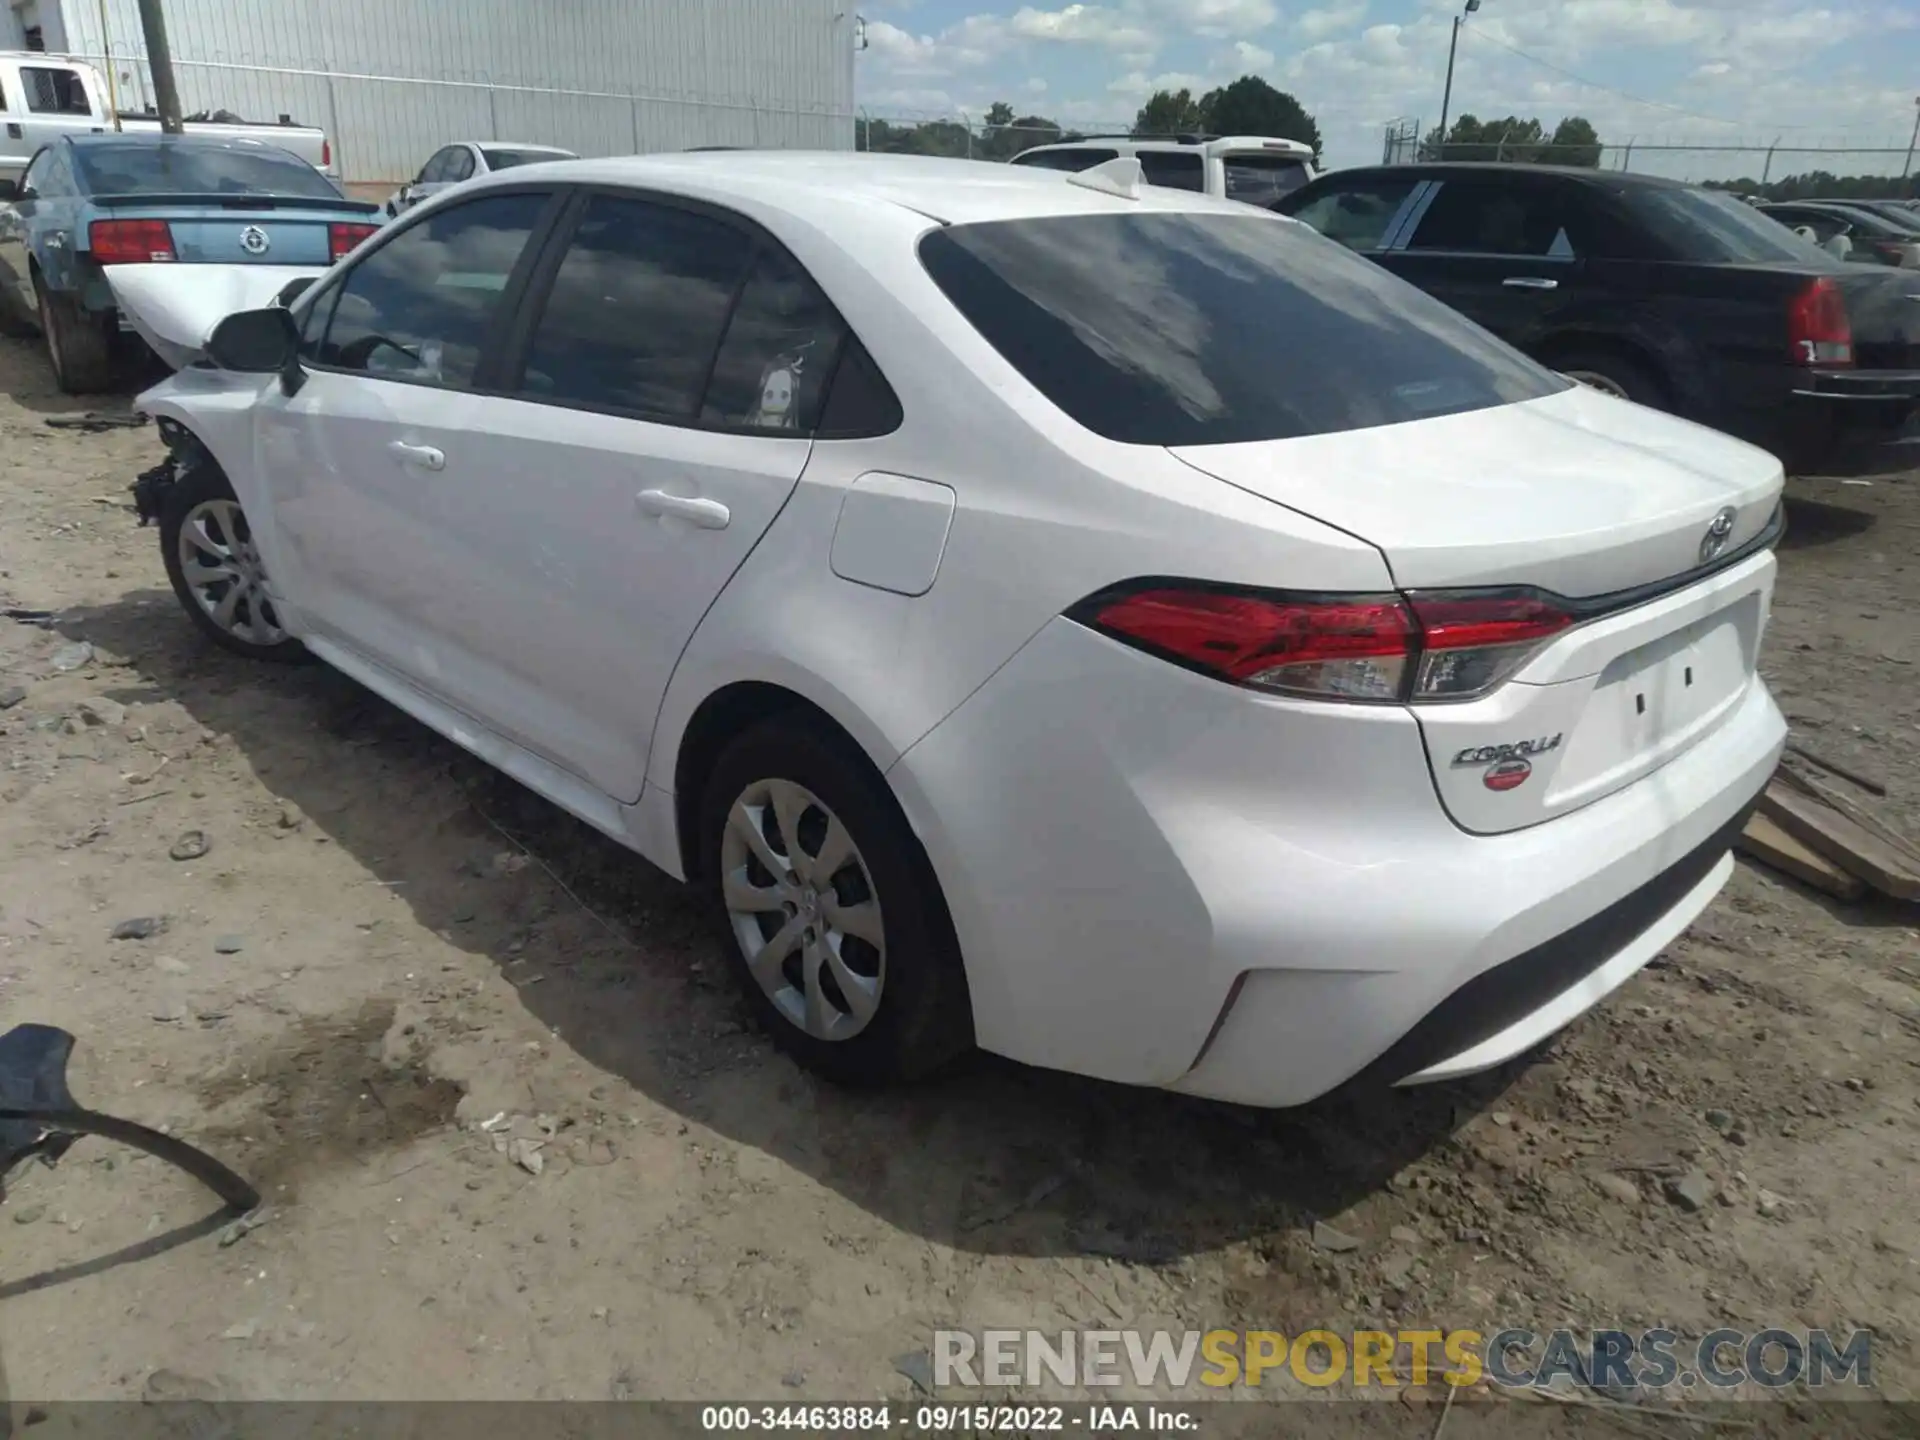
pixel 1774 847
pixel 1850 845
pixel 1864 818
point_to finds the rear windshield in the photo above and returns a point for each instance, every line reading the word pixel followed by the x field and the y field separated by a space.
pixel 198 170
pixel 502 159
pixel 1261 179
pixel 1205 329
pixel 1702 225
pixel 1075 160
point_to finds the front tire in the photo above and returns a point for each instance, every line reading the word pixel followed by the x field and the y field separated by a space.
pixel 839 935
pixel 80 345
pixel 215 567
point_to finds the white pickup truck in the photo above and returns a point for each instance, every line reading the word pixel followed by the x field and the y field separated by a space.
pixel 42 96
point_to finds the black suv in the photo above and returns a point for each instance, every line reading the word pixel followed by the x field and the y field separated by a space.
pixel 1674 296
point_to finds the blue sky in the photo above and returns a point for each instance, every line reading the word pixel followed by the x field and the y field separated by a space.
pixel 1703 72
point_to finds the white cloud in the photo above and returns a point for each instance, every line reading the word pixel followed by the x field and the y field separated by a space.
pixel 1084 24
pixel 1342 15
pixel 1217 19
pixel 1136 86
pixel 1036 86
pixel 1251 56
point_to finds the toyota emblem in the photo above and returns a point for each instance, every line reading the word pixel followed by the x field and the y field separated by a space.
pixel 1718 533
pixel 254 241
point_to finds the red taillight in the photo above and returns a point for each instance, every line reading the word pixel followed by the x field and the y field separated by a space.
pixel 1348 647
pixel 130 242
pixel 1817 326
pixel 326 153
pixel 342 238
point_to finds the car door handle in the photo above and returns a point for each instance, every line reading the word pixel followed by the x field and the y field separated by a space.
pixel 1530 282
pixel 707 514
pixel 425 456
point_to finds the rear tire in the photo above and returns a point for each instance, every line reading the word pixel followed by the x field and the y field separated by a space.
pixel 1614 374
pixel 203 526
pixel 80 345
pixel 856 1012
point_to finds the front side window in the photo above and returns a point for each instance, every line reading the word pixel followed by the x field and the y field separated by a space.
pixel 54 92
pixel 1176 172
pixel 422 307
pixel 459 164
pixel 435 170
pixel 1356 214
pixel 636 311
pixel 1206 329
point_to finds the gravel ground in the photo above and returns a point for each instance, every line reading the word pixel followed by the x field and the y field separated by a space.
pixel 386 945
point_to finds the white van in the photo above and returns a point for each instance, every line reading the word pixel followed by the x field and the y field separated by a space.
pixel 42 96
pixel 1255 168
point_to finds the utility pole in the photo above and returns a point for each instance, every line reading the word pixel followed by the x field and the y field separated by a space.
pixel 1446 97
pixel 166 99
pixel 1906 171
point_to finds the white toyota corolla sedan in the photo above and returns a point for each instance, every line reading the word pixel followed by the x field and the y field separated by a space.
pixel 1102 624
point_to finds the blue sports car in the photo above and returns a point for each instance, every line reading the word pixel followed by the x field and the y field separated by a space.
pixel 161 234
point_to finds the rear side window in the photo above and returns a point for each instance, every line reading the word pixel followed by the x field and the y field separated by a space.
pixel 1356 214
pixel 1706 227
pixel 779 352
pixel 1204 329
pixel 1074 160
pixel 1175 171
pixel 1261 179
pixel 1494 217
pixel 635 316
pixel 422 307
pixel 54 92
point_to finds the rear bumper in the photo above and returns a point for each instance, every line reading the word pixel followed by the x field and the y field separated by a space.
pixel 1162 880
pixel 1803 416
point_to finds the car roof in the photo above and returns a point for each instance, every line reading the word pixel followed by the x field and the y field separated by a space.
pixel 521 145
pixel 814 183
pixel 1438 168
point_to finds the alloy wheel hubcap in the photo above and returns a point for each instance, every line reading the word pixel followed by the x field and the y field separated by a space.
pixel 802 906
pixel 224 571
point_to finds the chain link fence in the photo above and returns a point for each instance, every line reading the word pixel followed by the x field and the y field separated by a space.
pixel 1759 165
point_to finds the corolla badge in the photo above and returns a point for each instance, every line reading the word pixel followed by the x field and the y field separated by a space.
pixel 254 241
pixel 1508 767
pixel 1718 533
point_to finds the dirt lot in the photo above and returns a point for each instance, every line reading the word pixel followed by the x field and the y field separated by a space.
pixel 386 945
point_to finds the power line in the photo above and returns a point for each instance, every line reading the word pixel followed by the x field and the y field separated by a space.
pixel 1609 89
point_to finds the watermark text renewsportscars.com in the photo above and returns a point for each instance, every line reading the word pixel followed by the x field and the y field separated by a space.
pixel 1213 1360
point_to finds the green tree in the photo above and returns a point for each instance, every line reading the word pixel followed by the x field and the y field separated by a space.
pixel 1575 142
pixel 1250 106
pixel 1518 141
pixel 1170 112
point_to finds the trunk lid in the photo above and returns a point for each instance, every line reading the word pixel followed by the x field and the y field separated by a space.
pixel 1604 504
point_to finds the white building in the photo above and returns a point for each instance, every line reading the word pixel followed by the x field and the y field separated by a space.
pixel 391 80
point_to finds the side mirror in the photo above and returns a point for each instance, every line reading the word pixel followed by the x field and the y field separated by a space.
pixel 255 342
